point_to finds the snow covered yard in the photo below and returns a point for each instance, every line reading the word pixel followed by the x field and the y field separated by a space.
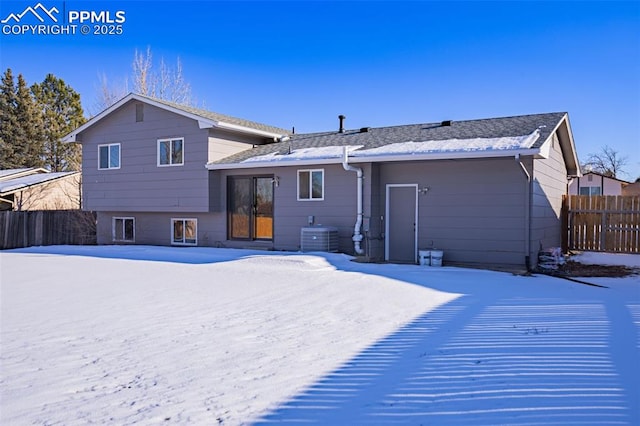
pixel 150 335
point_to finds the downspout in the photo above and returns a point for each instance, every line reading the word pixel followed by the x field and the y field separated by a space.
pixel 527 216
pixel 357 236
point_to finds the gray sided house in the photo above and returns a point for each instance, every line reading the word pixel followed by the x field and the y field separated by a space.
pixel 484 191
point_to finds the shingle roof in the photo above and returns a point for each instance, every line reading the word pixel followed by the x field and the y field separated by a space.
pixel 382 136
pixel 219 117
pixel 209 117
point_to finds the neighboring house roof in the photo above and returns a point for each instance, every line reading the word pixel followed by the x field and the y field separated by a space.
pixel 624 182
pixel 491 137
pixel 631 189
pixel 14 173
pixel 205 119
pixel 19 183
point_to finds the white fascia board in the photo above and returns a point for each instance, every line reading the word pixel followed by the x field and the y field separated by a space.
pixel 21 186
pixel 545 149
pixel 243 129
pixel 203 123
pixel 28 171
pixel 377 159
pixel 13 189
pixel 444 156
pixel 263 164
pixel 572 147
pixel 572 144
pixel 71 137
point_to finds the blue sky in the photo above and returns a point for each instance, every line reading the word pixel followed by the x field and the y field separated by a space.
pixel 303 63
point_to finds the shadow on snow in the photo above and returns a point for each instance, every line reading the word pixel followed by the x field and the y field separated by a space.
pixel 186 255
pixel 520 361
pixel 521 355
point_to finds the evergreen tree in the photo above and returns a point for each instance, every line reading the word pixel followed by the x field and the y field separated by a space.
pixel 28 141
pixel 61 113
pixel 8 122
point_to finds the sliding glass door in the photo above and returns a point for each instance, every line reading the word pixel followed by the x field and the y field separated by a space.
pixel 250 207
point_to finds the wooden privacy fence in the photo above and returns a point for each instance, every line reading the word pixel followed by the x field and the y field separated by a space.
pixel 603 223
pixel 48 227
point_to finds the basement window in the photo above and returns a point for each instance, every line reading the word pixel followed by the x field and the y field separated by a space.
pixel 123 229
pixel 184 232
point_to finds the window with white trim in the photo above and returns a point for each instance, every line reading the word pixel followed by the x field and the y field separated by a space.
pixel 171 152
pixel 184 232
pixel 109 156
pixel 123 229
pixel 310 184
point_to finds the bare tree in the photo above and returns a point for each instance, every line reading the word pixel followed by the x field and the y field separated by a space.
pixel 181 89
pixel 163 82
pixel 59 194
pixel 108 93
pixel 171 84
pixel 607 162
pixel 143 78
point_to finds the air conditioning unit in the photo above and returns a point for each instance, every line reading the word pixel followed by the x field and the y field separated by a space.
pixel 319 238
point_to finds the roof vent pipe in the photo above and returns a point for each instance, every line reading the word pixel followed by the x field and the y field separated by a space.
pixel 446 123
pixel 341 118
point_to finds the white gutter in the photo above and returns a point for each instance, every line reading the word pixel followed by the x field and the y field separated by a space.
pixel 357 236
pixel 249 130
pixel 527 215
pixel 283 163
pixel 375 159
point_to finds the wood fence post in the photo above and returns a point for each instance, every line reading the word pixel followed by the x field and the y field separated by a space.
pixel 603 230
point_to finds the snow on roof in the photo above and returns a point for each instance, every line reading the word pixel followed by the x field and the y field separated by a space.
pixel 9 172
pixel 325 152
pixel 26 181
pixel 453 145
pixel 402 148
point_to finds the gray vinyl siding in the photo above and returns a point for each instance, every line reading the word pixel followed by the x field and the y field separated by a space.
pixel 473 209
pixel 139 184
pixel 290 215
pixel 224 144
pixel 549 186
pixel 374 215
pixel 476 210
pixel 153 228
